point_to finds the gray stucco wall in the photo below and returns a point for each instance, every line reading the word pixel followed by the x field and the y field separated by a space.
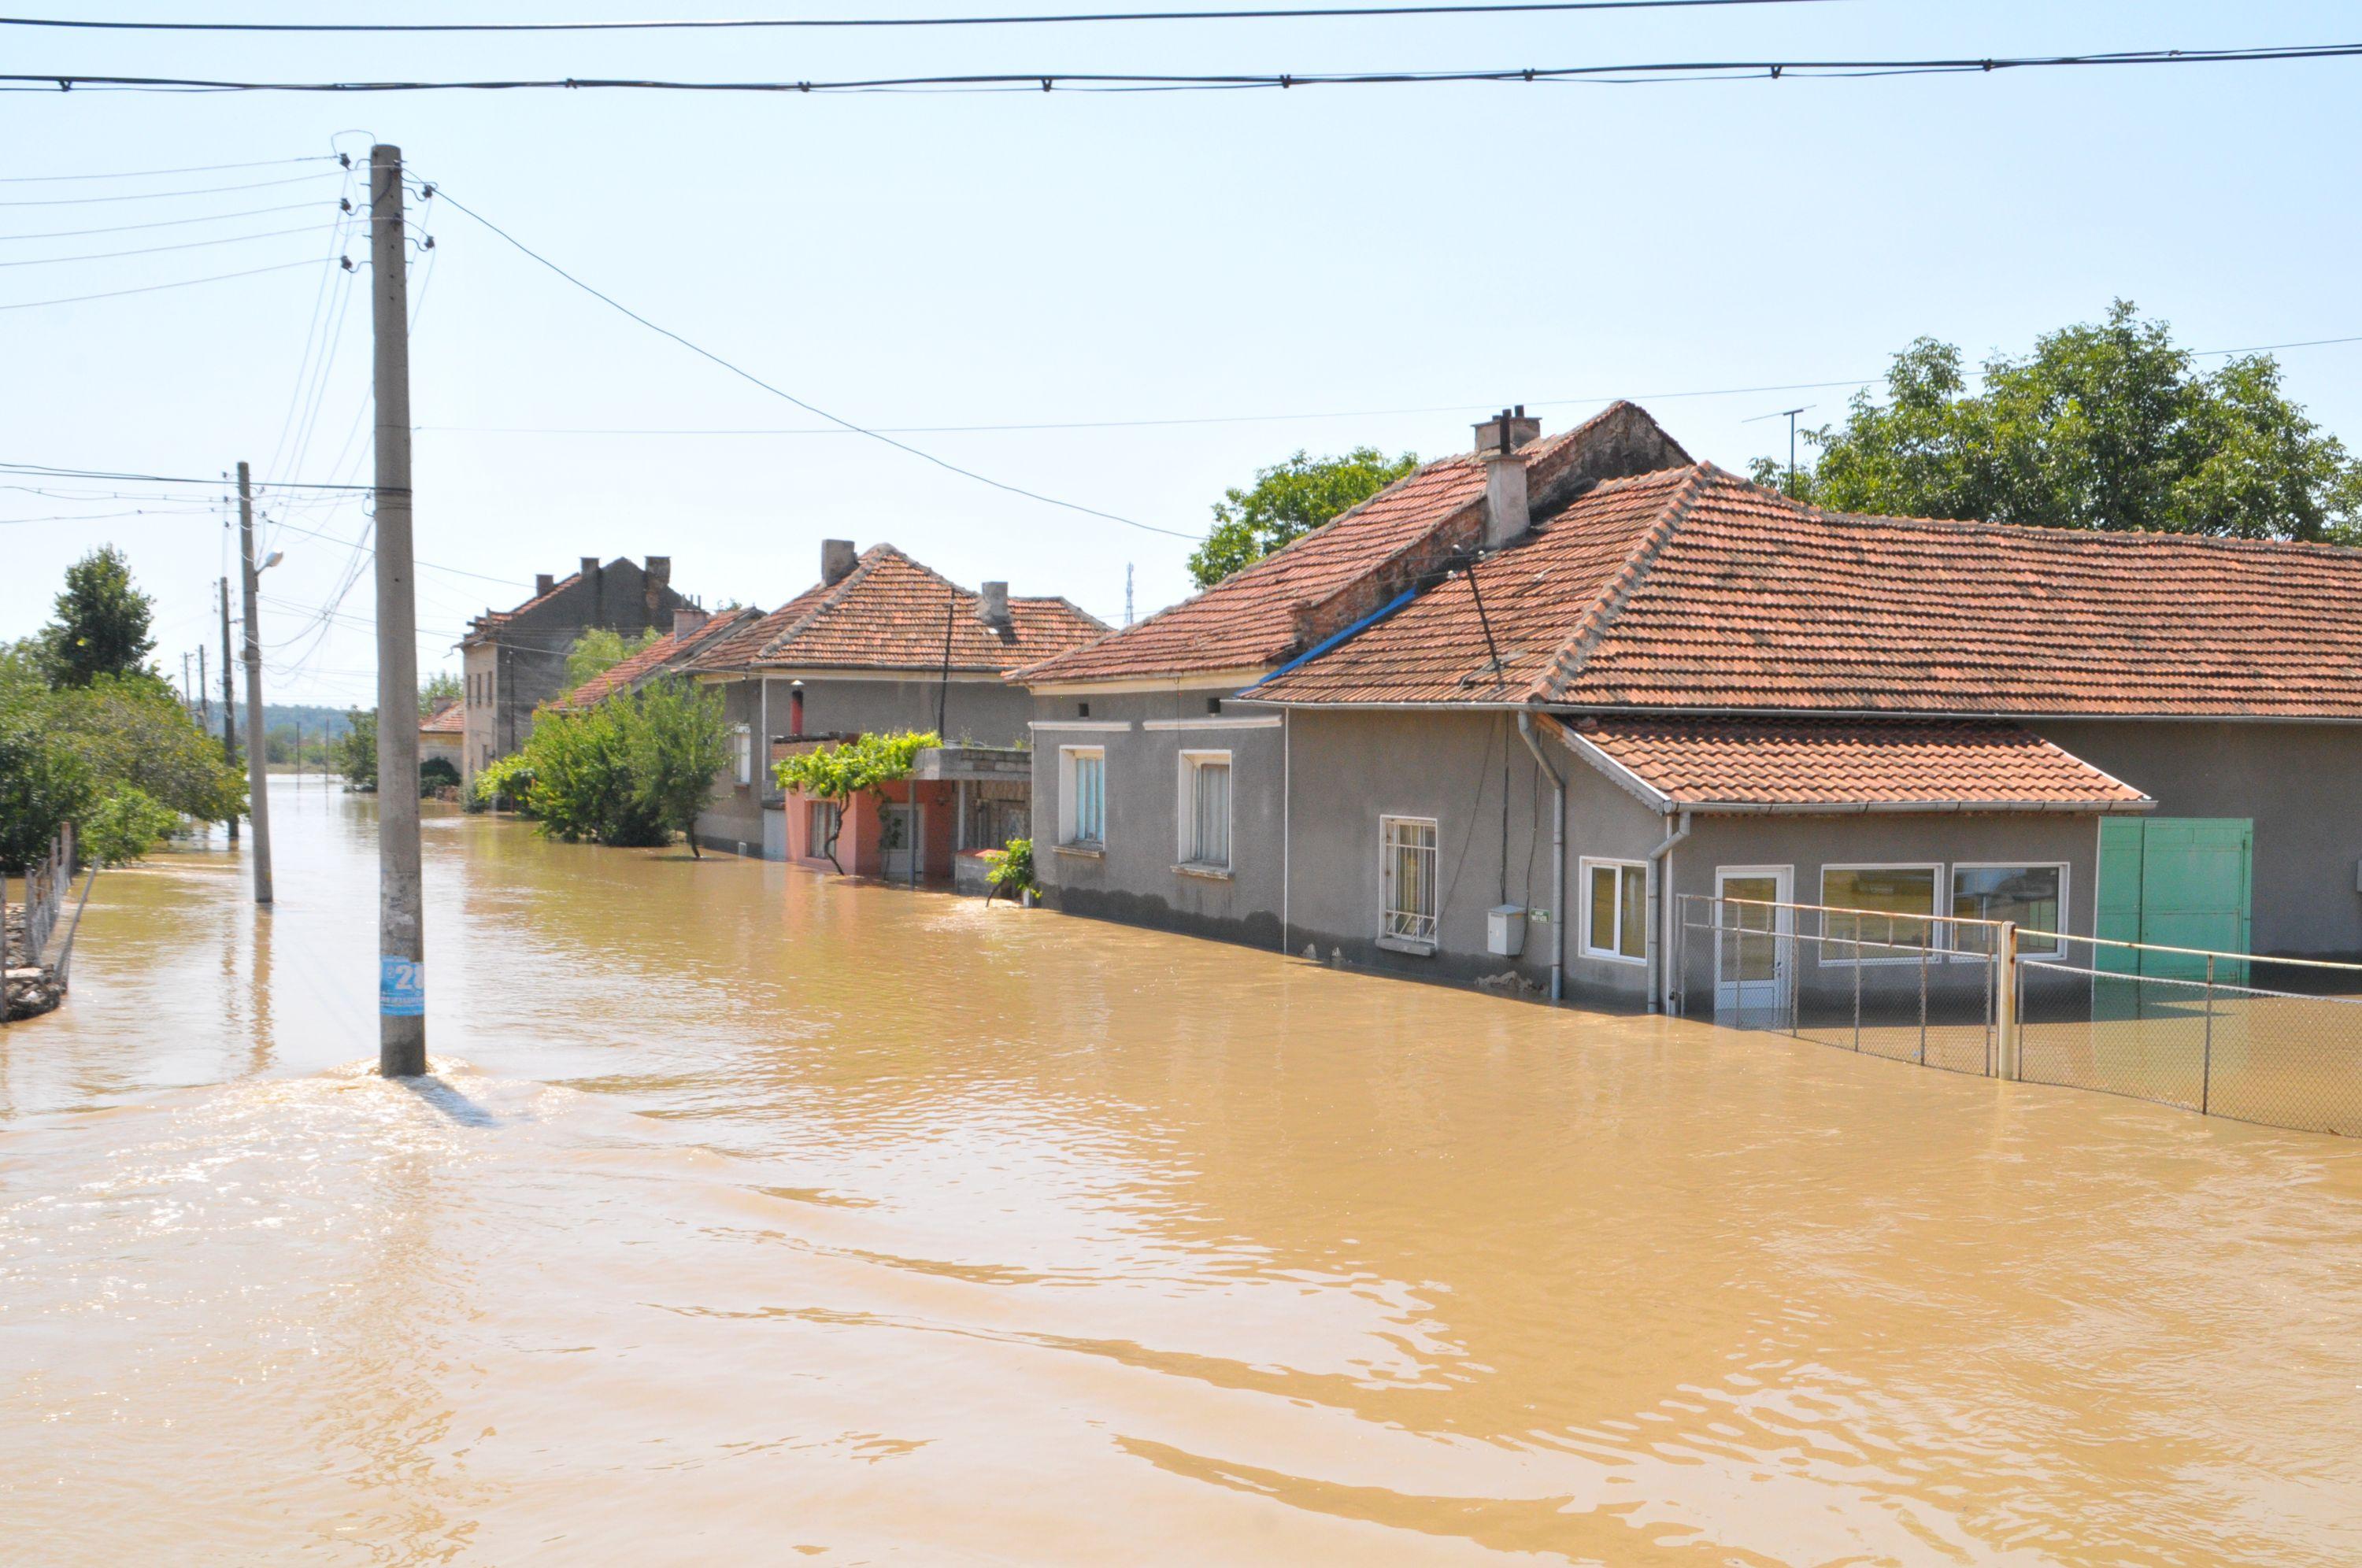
pixel 1346 771
pixel 1134 879
pixel 2301 786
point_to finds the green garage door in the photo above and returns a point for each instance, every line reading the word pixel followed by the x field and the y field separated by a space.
pixel 2176 881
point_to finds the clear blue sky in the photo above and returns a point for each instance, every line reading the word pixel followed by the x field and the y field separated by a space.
pixel 1031 259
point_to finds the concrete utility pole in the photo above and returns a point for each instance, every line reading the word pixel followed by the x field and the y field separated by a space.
pixel 229 702
pixel 402 947
pixel 258 756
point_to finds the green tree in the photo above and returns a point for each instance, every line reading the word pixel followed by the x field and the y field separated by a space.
pixel 356 751
pixel 865 763
pixel 677 741
pixel 598 650
pixel 122 826
pixel 102 622
pixel 2105 424
pixel 582 784
pixel 443 686
pixel 1287 501
pixel 135 736
pixel 43 784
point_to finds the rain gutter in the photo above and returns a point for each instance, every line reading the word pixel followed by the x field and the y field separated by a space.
pixel 1558 856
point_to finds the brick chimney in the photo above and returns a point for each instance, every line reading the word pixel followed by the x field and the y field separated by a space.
pixel 1507 515
pixel 687 620
pixel 992 606
pixel 657 576
pixel 543 583
pixel 590 569
pixel 837 559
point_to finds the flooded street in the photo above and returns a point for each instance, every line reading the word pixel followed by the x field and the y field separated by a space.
pixel 753 1214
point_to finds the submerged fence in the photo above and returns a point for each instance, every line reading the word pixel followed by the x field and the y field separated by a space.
pixel 2277 1041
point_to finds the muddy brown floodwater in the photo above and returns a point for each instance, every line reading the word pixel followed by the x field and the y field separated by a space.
pixel 752 1215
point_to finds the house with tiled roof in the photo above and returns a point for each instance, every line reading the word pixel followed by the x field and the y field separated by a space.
pixel 442 732
pixel 512 661
pixel 694 629
pixel 1539 708
pixel 883 645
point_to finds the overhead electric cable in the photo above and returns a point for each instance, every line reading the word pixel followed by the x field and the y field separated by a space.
pixel 159 249
pixel 1135 81
pixel 159 173
pixel 48 471
pixel 158 196
pixel 152 288
pixel 160 223
pixel 1275 13
pixel 749 376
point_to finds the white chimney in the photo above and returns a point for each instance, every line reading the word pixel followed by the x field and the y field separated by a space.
pixel 837 559
pixel 992 607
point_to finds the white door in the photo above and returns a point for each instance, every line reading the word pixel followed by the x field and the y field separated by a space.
pixel 898 839
pixel 1752 952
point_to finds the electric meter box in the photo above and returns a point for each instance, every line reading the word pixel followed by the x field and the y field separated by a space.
pixel 1505 930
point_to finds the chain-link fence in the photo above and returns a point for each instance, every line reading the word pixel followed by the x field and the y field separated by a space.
pixel 1876 981
pixel 2272 1040
pixel 2277 1041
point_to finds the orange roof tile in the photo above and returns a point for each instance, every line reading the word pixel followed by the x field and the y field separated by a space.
pixel 666 653
pixel 448 719
pixel 1694 588
pixel 890 613
pixel 1354 563
pixel 1807 764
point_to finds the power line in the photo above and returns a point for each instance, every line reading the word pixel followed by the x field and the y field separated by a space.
pixel 159 249
pixel 45 470
pixel 160 223
pixel 159 173
pixel 158 196
pixel 808 407
pixel 1138 82
pixel 1046 18
pixel 152 288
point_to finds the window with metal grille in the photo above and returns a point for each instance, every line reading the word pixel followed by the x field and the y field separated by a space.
pixel 741 745
pixel 1407 867
pixel 1205 809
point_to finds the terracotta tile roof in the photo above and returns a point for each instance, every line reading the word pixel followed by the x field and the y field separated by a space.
pixel 1694 588
pixel 667 652
pixel 1805 763
pixel 450 719
pixel 890 613
pixel 1350 565
pixel 491 621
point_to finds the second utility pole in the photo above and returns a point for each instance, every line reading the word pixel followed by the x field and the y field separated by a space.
pixel 400 924
pixel 229 702
pixel 258 755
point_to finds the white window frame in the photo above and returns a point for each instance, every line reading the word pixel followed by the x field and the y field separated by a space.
pixel 1586 865
pixel 1189 762
pixel 1387 938
pixel 742 754
pixel 1936 940
pixel 1068 755
pixel 2053 951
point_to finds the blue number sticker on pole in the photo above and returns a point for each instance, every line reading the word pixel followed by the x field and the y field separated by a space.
pixel 400 986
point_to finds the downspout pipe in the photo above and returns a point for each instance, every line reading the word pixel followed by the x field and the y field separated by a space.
pixel 1558 854
pixel 1677 828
